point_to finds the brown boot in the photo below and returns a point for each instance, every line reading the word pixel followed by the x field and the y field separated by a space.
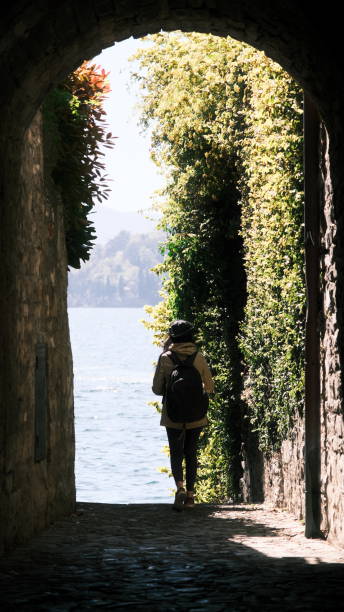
pixel 179 499
pixel 189 502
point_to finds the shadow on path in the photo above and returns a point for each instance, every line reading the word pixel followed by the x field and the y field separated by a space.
pixel 147 557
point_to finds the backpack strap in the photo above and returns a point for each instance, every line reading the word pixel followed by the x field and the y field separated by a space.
pixel 174 357
pixel 177 361
pixel 191 358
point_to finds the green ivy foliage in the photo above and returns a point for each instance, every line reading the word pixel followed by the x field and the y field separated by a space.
pixel 272 334
pixel 189 98
pixel 227 132
pixel 75 132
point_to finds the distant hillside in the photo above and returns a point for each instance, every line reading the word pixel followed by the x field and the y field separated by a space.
pixel 118 273
pixel 109 222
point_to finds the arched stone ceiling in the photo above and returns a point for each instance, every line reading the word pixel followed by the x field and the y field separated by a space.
pixel 42 41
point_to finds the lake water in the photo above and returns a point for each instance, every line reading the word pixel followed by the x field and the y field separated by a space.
pixel 119 442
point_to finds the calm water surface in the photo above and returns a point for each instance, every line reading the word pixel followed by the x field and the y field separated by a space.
pixel 119 440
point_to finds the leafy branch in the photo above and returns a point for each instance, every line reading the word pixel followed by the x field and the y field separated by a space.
pixel 75 135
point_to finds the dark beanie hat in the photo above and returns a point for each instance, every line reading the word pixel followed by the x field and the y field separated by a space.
pixel 180 328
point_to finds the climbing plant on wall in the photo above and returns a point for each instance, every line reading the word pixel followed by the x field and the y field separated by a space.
pixel 227 131
pixel 271 186
pixel 190 99
pixel 75 133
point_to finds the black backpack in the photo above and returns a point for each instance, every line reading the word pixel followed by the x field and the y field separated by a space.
pixel 185 399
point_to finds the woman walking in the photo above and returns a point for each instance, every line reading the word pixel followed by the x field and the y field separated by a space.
pixel 182 436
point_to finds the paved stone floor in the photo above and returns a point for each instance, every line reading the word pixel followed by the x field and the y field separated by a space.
pixel 147 557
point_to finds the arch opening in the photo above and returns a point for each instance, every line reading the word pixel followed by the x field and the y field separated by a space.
pixel 253 484
pixel 40 49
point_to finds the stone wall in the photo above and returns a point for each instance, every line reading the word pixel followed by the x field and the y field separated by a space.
pixel 332 422
pixel 283 472
pixel 277 479
pixel 37 454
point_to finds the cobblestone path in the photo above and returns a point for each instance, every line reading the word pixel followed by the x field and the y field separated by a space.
pixel 147 557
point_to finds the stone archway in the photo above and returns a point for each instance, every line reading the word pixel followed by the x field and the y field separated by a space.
pixel 39 46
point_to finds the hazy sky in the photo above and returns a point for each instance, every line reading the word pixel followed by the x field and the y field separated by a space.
pixel 134 176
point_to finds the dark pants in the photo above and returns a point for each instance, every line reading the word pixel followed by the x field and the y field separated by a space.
pixel 184 444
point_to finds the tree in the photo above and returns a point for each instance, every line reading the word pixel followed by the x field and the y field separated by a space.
pixel 227 132
pixel 186 99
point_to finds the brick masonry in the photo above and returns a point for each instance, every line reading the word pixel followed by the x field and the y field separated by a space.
pixel 39 44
